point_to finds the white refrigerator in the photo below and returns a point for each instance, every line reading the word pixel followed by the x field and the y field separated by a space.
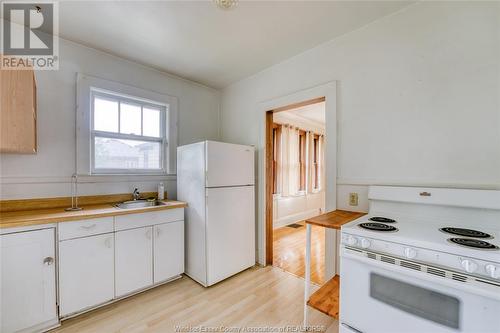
pixel 217 181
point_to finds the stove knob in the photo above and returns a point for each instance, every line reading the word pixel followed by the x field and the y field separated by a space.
pixel 351 240
pixel 410 253
pixel 469 266
pixel 493 271
pixel 365 243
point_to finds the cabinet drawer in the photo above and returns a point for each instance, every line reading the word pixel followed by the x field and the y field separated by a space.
pixel 131 221
pixel 76 229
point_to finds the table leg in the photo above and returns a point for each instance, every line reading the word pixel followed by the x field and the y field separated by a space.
pixel 308 271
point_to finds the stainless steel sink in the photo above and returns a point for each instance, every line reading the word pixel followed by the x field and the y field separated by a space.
pixel 139 204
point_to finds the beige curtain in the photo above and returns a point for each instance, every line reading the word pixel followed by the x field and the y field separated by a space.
pixel 310 161
pixel 283 166
pixel 290 161
pixel 279 160
pixel 321 166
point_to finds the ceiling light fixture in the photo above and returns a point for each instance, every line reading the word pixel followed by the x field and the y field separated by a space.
pixel 226 4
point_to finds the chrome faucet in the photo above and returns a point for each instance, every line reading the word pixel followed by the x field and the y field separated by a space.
pixel 136 195
pixel 74 194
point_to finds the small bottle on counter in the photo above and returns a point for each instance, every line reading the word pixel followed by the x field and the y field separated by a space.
pixel 161 191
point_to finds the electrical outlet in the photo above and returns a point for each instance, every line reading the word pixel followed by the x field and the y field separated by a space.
pixel 353 199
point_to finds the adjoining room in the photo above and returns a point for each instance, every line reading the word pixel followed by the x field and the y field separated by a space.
pixel 298 187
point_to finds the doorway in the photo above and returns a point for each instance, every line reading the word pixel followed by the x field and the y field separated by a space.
pixel 295 185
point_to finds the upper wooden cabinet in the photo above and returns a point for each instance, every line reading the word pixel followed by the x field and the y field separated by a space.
pixel 18 111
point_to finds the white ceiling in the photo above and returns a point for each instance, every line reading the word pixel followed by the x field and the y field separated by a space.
pixel 311 117
pixel 314 113
pixel 198 41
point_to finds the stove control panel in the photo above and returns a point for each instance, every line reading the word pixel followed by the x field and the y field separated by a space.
pixel 365 243
pixel 469 265
pixel 492 271
pixel 474 266
pixel 410 253
pixel 351 240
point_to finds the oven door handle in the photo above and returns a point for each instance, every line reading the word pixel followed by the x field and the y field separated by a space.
pixel 462 286
pixel 349 328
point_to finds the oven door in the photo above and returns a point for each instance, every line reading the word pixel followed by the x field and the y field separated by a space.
pixel 379 297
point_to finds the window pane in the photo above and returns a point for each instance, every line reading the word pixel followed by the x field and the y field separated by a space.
pixel 130 119
pixel 151 122
pixel 126 154
pixel 105 115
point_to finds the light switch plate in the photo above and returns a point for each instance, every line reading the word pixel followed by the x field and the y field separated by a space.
pixel 353 199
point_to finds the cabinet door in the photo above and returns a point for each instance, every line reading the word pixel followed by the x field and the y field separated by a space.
pixel 86 276
pixel 28 280
pixel 168 250
pixel 133 260
pixel 18 111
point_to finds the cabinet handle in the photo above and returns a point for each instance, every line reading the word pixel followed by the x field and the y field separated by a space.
pixel 87 227
pixel 107 242
pixel 48 261
pixel 157 232
pixel 148 234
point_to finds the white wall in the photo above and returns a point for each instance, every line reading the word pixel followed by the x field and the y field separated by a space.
pixel 47 173
pixel 418 98
pixel 287 210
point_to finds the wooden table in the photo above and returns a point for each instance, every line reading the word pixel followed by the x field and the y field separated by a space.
pixel 324 299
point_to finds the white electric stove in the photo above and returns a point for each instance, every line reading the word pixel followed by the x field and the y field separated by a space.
pixel 422 260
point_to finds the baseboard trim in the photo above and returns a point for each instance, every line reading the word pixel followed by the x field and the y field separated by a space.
pixel 289 219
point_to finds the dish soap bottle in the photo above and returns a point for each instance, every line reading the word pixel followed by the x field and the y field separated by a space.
pixel 161 191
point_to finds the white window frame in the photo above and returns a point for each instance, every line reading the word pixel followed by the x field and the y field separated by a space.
pixel 87 88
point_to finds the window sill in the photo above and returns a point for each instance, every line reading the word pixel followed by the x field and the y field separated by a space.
pixel 297 195
pixel 104 178
pixel 98 174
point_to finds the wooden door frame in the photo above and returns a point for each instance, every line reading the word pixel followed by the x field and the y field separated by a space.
pixel 269 181
pixel 329 91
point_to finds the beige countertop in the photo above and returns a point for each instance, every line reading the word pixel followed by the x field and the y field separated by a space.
pixel 54 215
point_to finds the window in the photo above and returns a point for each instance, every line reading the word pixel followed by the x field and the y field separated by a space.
pixel 297 160
pixel 276 154
pixel 124 130
pixel 127 134
pixel 302 160
pixel 315 169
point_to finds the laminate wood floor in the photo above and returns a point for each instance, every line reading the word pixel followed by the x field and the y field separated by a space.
pixel 256 297
pixel 289 251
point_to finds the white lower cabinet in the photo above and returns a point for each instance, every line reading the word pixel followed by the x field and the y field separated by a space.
pixel 133 260
pixel 99 260
pixel 86 272
pixel 28 281
pixel 168 250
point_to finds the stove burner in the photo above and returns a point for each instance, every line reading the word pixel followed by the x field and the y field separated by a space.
pixel 465 232
pixel 381 219
pixel 377 226
pixel 473 243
